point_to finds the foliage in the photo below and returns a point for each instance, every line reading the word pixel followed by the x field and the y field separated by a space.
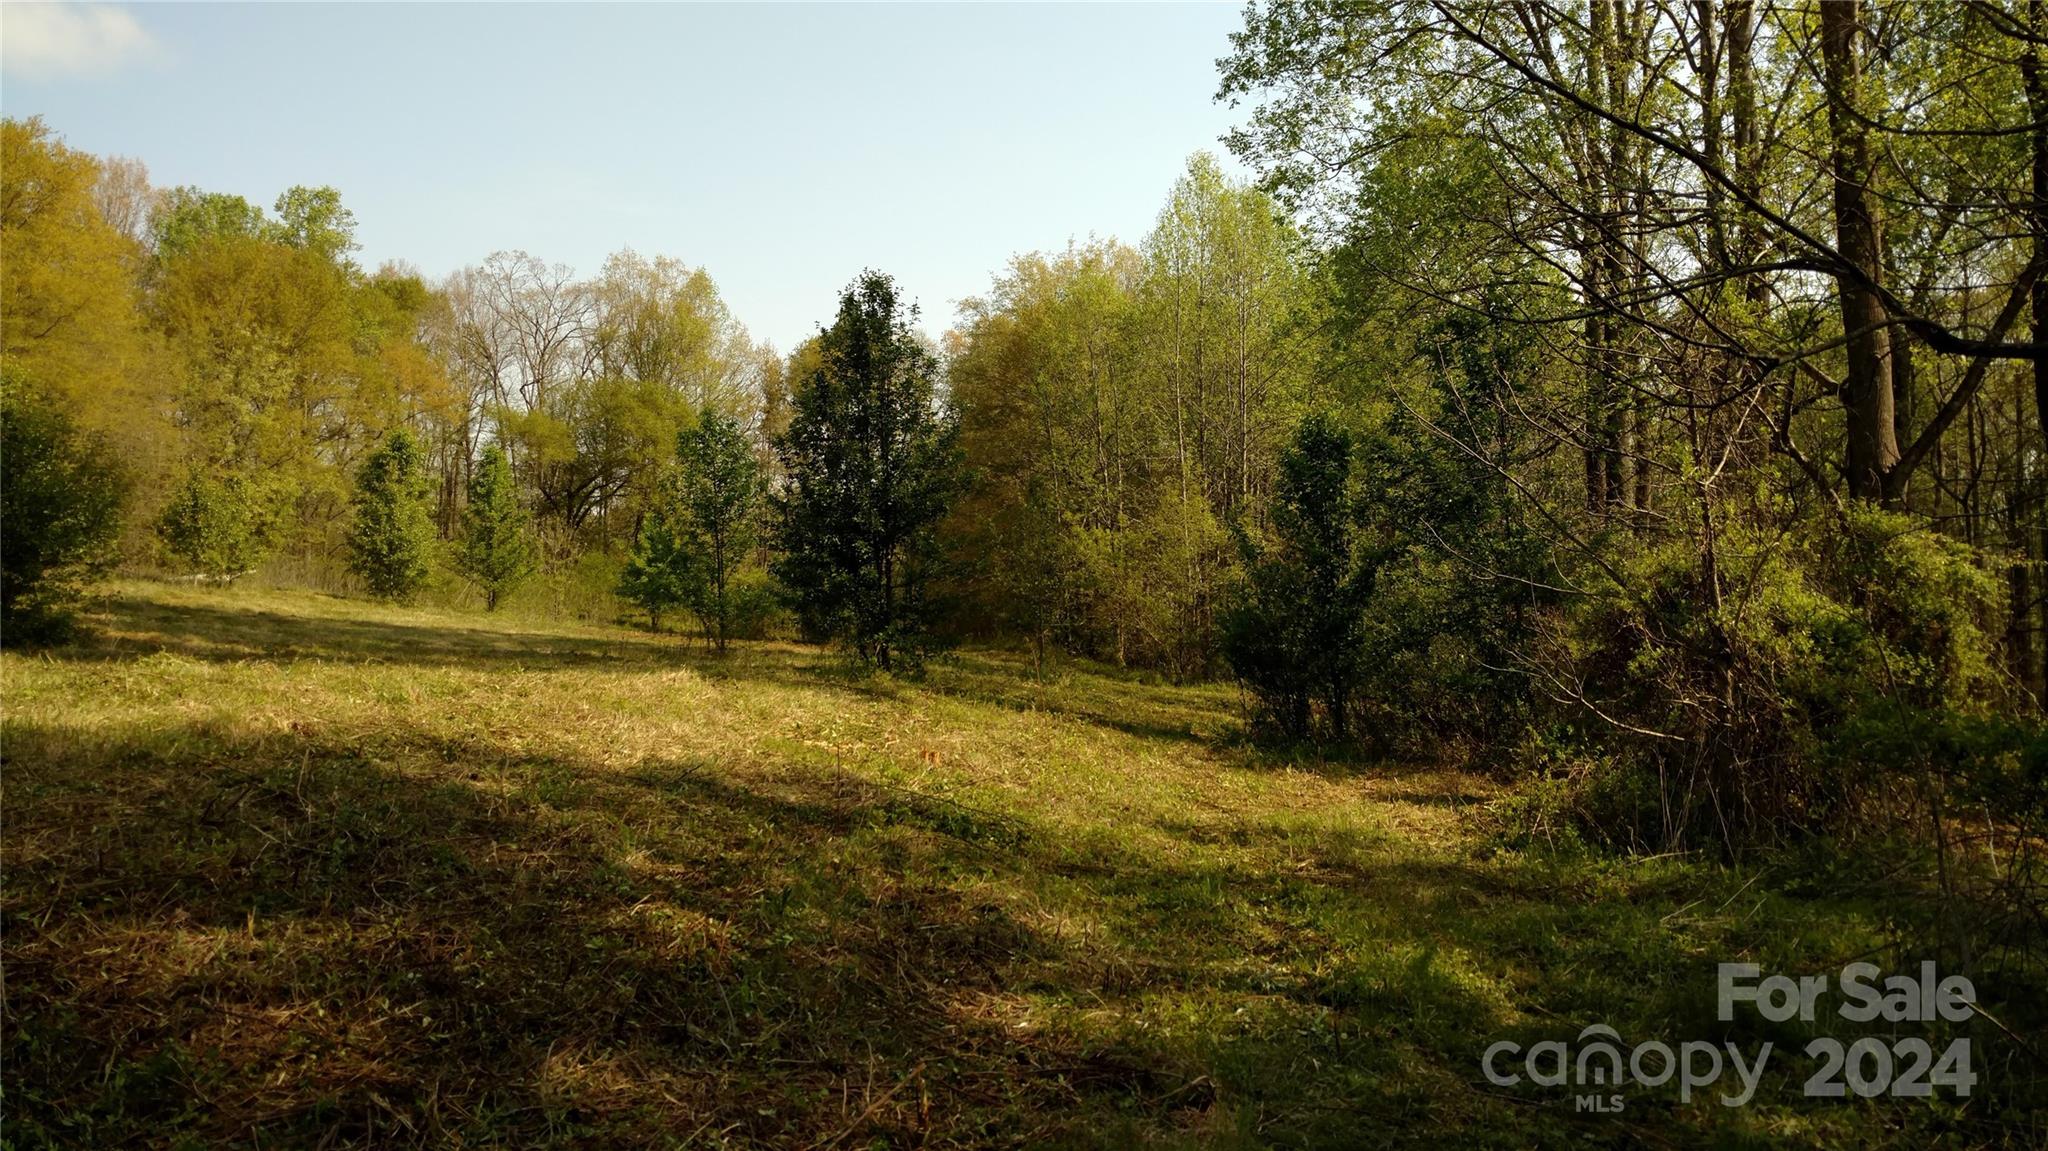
pixel 872 463
pixel 1462 577
pixel 61 495
pixel 186 218
pixel 668 843
pixel 314 220
pixel 215 527
pixel 391 543
pixel 497 551
pixel 719 492
pixel 754 605
pixel 661 569
pixel 1294 638
pixel 1121 406
pixel 1779 704
pixel 68 300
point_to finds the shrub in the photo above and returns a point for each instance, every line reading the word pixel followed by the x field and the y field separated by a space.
pixel 754 605
pixel 1793 699
pixel 1293 635
pixel 391 544
pixel 61 493
pixel 660 572
pixel 497 552
pixel 213 527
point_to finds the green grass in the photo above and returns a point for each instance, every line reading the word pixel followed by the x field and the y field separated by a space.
pixel 290 870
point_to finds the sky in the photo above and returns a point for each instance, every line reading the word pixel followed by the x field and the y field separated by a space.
pixel 783 148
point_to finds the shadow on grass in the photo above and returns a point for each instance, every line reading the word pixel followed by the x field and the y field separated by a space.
pixel 214 938
pixel 218 939
pixel 1085 695
pixel 303 943
pixel 229 631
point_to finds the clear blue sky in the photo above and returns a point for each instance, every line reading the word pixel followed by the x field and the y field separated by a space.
pixel 783 148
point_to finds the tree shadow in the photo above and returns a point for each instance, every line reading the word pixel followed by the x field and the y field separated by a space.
pixel 406 940
pixel 1095 696
pixel 135 627
pixel 397 938
pixel 303 941
pixel 227 631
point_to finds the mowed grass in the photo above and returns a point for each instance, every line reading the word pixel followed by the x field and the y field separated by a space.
pixel 289 870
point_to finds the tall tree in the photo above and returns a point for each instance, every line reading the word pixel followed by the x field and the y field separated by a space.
pixel 872 463
pixel 68 321
pixel 1867 395
pixel 392 540
pixel 497 537
pixel 1295 635
pixel 721 497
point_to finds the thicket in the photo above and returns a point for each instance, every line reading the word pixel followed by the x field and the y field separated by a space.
pixel 61 492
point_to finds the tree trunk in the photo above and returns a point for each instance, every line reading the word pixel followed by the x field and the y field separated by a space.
pixel 1872 446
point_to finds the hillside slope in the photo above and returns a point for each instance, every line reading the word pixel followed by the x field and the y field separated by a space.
pixel 284 869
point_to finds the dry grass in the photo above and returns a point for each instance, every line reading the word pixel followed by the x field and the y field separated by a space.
pixel 283 869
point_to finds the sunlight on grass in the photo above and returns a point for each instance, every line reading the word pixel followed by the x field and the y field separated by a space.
pixel 281 864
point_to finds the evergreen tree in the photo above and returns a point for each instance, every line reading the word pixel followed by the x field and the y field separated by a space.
pixel 212 526
pixel 872 464
pixel 60 507
pixel 661 568
pixel 392 540
pixel 1294 637
pixel 497 543
pixel 719 483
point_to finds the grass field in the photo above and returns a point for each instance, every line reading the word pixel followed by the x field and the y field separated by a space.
pixel 290 870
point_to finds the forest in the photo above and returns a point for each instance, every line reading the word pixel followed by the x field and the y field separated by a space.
pixel 1576 515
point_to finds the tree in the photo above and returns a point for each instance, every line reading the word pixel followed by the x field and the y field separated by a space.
pixel 392 540
pixel 215 526
pixel 313 220
pixel 720 489
pixel 660 568
pixel 872 464
pixel 187 217
pixel 67 294
pixel 60 510
pixel 497 542
pixel 1295 636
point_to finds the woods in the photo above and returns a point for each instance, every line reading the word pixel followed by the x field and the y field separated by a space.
pixel 1679 356
pixel 1640 407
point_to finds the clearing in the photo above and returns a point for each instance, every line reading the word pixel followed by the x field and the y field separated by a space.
pixel 285 869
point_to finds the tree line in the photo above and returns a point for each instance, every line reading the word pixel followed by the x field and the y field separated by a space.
pixel 1642 398
pixel 197 386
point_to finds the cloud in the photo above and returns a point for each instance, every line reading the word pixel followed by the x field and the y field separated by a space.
pixel 41 41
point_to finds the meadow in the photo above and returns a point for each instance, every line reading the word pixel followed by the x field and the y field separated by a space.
pixel 286 869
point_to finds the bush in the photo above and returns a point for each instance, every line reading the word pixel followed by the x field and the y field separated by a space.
pixel 213 527
pixel 497 552
pixel 1461 577
pixel 1292 636
pixel 754 605
pixel 61 493
pixel 662 568
pixel 1793 700
pixel 584 589
pixel 392 542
